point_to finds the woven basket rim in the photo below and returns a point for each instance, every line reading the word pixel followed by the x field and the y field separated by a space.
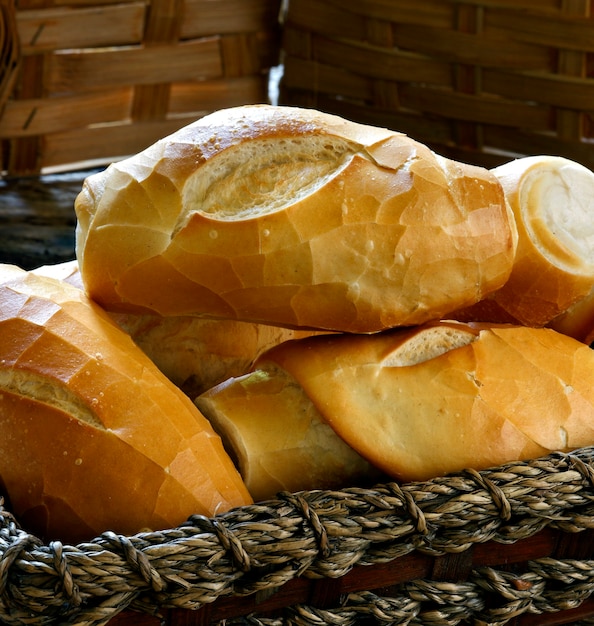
pixel 315 534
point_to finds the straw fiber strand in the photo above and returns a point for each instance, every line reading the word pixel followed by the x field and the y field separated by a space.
pixel 482 82
pixel 484 547
pixel 103 80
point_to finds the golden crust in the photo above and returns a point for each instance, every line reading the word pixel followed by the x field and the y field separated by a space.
pixel 107 441
pixel 507 393
pixel 387 234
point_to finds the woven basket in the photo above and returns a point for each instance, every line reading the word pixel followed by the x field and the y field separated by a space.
pixel 511 545
pixel 102 79
pixel 479 81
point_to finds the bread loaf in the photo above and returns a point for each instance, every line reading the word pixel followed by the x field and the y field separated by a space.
pixel 552 199
pixel 278 438
pixel 296 218
pixel 198 353
pixel 194 353
pixel 422 402
pixel 94 437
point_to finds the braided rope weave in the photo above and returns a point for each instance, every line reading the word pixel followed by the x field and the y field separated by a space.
pixel 321 535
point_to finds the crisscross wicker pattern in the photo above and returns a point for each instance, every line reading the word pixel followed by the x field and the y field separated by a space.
pixel 104 79
pixel 493 547
pixel 480 81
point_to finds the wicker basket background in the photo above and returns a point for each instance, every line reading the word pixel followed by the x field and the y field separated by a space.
pixel 101 79
pixel 9 50
pixel 480 81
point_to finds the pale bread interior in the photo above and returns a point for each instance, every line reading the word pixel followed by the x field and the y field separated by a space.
pixel 428 343
pixel 264 175
pixel 559 196
pixel 35 387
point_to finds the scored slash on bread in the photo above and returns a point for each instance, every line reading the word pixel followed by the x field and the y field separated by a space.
pixel 292 217
pixel 94 437
pixel 277 435
pixel 421 344
pixel 415 403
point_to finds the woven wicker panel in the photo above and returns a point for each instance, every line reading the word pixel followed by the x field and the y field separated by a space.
pixel 101 80
pixel 478 81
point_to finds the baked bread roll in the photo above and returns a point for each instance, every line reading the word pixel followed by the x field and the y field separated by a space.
pixel 194 353
pixel 296 218
pixel 422 402
pixel 552 199
pixel 67 271
pixel 278 438
pixel 94 437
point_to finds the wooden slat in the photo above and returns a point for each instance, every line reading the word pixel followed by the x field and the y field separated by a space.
pixel 108 142
pixel 542 7
pixel 331 21
pixel 25 155
pixel 215 94
pixel 563 91
pixel 475 48
pixel 9 50
pixel 105 76
pixel 307 75
pixel 554 31
pixel 389 64
pixel 62 28
pixel 104 67
pixel 31 117
pixel 485 110
pixel 470 68
pixel 571 123
pixel 163 26
pixel 240 54
pixel 467 77
pixel 521 143
pixel 82 3
pixel 436 13
pixel 225 17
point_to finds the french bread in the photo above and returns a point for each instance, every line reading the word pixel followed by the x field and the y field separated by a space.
pixel 421 402
pixel 194 353
pixel 292 217
pixel 198 353
pixel 278 438
pixel 94 437
pixel 552 199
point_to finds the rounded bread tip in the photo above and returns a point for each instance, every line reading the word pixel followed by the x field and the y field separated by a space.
pixel 552 200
